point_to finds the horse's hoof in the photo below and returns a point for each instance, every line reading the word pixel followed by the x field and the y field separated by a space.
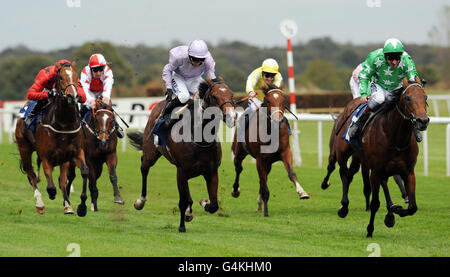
pixel 40 210
pixel 118 200
pixel 139 204
pixel 204 202
pixel 389 220
pixel 236 193
pixel 51 193
pixel 304 195
pixel 342 212
pixel 182 229
pixel 68 210
pixel 81 210
pixel 188 218
pixel 325 185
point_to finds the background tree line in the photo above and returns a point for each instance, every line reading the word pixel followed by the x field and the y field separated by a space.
pixel 320 64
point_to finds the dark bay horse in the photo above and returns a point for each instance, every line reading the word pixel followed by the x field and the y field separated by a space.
pixel 58 140
pixel 271 113
pixel 99 148
pixel 388 148
pixel 191 157
pixel 353 169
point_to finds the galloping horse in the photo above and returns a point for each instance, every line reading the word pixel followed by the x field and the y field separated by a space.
pixel 99 148
pixel 388 148
pixel 354 167
pixel 273 104
pixel 192 158
pixel 58 140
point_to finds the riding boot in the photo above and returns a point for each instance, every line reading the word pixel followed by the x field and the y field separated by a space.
pixel 172 105
pixel 34 112
pixel 417 134
pixel 355 130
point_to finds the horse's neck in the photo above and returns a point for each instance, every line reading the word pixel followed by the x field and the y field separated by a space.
pixel 397 128
pixel 65 114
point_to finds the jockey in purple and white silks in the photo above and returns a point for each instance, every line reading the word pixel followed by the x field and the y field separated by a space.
pixel 382 73
pixel 183 74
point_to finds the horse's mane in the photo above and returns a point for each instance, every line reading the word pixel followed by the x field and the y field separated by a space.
pixel 270 87
pixel 202 89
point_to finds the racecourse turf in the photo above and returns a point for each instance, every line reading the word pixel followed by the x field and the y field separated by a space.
pixel 294 227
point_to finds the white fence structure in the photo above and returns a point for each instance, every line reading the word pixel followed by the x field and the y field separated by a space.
pixel 138 119
pixel 434 100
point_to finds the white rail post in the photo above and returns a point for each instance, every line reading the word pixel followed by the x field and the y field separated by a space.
pixel 319 142
pixel 447 137
pixel 425 153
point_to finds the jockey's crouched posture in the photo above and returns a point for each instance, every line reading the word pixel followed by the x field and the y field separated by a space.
pixel 43 88
pixel 97 80
pixel 385 67
pixel 267 73
pixel 183 75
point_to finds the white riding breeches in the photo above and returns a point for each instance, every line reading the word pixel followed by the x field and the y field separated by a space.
pixel 354 87
pixel 184 88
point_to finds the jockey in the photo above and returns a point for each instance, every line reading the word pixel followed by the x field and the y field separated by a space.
pixel 44 87
pixel 267 73
pixel 97 81
pixel 382 73
pixel 183 74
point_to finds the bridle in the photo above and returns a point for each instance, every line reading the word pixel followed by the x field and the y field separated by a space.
pixel 96 132
pixel 411 116
pixel 208 95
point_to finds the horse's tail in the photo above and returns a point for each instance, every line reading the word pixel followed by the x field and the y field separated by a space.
pixel 136 139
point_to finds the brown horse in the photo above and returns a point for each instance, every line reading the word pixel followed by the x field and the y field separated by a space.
pixel 191 157
pixel 388 148
pixel 58 140
pixel 100 147
pixel 274 105
pixel 353 169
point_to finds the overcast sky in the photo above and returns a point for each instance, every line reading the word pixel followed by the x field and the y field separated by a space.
pixel 55 24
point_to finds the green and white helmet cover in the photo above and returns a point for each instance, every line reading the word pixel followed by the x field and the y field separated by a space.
pixel 393 45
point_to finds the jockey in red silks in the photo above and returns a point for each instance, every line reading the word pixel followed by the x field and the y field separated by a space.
pixel 43 87
pixel 97 80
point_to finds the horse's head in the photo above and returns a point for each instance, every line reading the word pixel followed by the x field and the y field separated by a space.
pixel 274 101
pixel 103 116
pixel 218 94
pixel 66 81
pixel 413 104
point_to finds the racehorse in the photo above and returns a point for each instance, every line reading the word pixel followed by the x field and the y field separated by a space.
pixel 191 157
pixel 353 169
pixel 388 147
pixel 58 140
pixel 273 104
pixel 99 148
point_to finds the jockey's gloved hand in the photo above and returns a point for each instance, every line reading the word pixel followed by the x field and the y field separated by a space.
pixel 52 93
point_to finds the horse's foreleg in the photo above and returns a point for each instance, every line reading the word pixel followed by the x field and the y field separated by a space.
pixel 263 170
pixel 48 170
pixel 354 168
pixel 374 203
pixel 367 189
pixel 185 202
pixel 94 173
pixel 410 186
pixel 62 185
pixel 398 180
pixel 70 177
pixel 81 163
pixel 111 161
pixel 239 155
pixel 286 157
pixel 212 182
pixel 389 220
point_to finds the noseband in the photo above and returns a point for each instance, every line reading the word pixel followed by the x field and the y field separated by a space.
pixel 98 132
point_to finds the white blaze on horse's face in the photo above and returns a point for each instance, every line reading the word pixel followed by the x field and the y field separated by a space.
pixel 276 113
pixel 69 73
pixel 105 119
